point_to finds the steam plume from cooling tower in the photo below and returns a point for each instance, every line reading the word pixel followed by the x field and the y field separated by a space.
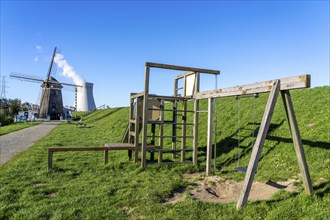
pixel 68 70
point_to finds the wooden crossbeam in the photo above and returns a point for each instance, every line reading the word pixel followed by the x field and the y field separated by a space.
pixel 182 68
pixel 295 82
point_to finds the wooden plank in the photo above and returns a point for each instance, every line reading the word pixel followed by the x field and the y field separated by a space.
pixel 258 145
pixel 209 137
pixel 293 125
pixel 181 68
pixel 145 117
pixel 195 128
pixel 161 131
pixel 168 98
pixel 114 146
pixel 136 95
pixel 295 82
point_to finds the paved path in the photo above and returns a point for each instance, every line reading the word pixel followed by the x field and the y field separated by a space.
pixel 18 141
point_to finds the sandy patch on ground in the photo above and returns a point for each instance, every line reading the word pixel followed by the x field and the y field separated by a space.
pixel 216 189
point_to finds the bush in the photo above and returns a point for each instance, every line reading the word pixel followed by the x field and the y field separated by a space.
pixel 8 120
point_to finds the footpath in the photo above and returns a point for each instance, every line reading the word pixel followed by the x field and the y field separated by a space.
pixel 15 142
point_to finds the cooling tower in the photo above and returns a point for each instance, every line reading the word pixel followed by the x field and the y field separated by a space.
pixel 85 98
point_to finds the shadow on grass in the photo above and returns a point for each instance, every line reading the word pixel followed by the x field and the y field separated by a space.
pixel 231 142
pixel 322 189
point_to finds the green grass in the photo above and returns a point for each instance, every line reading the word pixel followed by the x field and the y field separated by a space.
pixel 15 127
pixel 81 187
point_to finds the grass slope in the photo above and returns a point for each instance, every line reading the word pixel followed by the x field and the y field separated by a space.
pixel 15 127
pixel 80 186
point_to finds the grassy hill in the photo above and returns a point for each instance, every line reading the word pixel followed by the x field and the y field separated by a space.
pixel 81 187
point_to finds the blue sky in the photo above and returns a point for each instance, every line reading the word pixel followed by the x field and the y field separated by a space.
pixel 108 42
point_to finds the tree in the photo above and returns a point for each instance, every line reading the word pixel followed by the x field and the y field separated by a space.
pixel 8 108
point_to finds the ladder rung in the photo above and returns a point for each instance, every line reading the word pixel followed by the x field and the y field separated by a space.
pixel 202 111
pixel 169 110
pixel 169 122
pixel 157 136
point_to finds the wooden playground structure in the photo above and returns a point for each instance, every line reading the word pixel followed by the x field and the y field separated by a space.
pixel 157 120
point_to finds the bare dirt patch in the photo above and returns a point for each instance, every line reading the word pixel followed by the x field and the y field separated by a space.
pixel 217 189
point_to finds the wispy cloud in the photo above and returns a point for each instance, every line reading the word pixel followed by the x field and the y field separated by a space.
pixel 39 48
pixel 36 59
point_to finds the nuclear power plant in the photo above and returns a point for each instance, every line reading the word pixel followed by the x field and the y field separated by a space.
pixel 51 104
pixel 85 98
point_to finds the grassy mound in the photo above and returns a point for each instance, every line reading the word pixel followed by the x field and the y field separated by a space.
pixel 81 187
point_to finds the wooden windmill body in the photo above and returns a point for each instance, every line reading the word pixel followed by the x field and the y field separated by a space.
pixel 51 103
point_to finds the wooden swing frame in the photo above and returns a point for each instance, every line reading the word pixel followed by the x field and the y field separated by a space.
pixel 274 87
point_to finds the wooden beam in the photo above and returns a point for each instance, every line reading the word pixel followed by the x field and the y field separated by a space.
pixel 137 130
pixel 209 137
pixel 295 82
pixel 258 145
pixel 293 125
pixel 161 131
pixel 195 129
pixel 145 117
pixel 181 68
pixel 184 131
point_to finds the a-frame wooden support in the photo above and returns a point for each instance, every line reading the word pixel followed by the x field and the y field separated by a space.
pixel 257 148
pixel 258 145
pixel 297 141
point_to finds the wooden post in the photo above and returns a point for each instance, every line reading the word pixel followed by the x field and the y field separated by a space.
pixel 161 131
pixel 130 125
pixel 184 131
pixel 106 158
pixel 153 133
pixel 137 131
pixel 195 129
pixel 258 145
pixel 50 159
pixel 174 120
pixel 293 125
pixel 145 117
pixel 209 136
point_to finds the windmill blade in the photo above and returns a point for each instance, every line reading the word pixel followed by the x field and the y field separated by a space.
pixel 25 77
pixel 51 65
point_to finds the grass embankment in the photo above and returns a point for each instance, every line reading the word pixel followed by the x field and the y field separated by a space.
pixel 15 127
pixel 81 187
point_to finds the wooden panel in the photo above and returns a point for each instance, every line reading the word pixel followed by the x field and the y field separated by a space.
pixel 136 95
pixel 295 82
pixel 183 75
pixel 181 68
pixel 258 145
pixel 288 105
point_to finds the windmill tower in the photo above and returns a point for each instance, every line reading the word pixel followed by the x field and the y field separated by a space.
pixel 51 103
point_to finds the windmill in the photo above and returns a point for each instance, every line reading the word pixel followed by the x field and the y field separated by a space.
pixel 51 103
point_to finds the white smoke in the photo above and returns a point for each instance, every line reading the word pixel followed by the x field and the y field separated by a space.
pixel 68 70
